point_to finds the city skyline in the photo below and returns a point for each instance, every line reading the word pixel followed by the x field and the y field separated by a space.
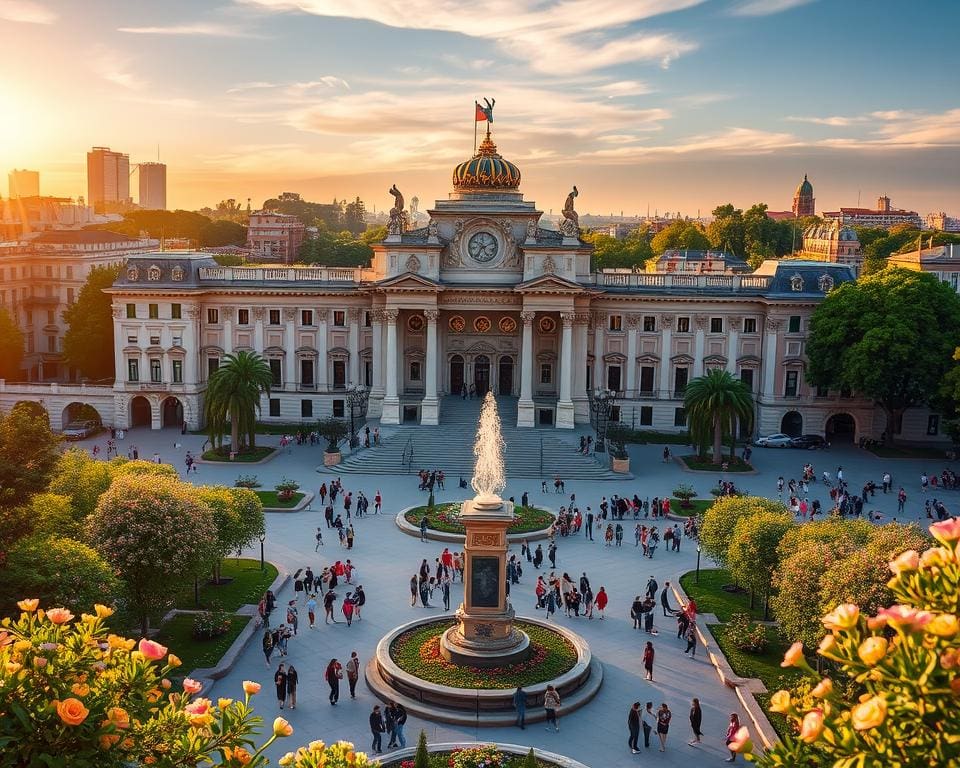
pixel 675 106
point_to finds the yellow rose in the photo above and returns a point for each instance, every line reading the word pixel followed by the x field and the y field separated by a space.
pixel 29 605
pixel 287 759
pixel 812 726
pixel 780 702
pixel 173 660
pixel 281 727
pixel 872 650
pixel 869 714
pixel 13 667
pixel 823 689
pixel 102 611
pixel 224 703
pixel 794 656
pixel 842 617
pixel 944 625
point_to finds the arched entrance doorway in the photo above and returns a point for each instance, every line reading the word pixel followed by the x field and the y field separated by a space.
pixel 481 374
pixel 792 424
pixel 76 412
pixel 505 376
pixel 456 374
pixel 841 428
pixel 141 414
pixel 171 413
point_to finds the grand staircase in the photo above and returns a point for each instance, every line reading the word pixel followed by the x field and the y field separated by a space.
pixel 530 452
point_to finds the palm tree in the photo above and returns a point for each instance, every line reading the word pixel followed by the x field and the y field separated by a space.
pixel 233 392
pixel 716 402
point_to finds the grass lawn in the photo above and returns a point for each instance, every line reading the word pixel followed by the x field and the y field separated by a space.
pixel 711 598
pixel 270 499
pixel 223 454
pixel 706 465
pixel 248 585
pixel 444 518
pixel 177 635
pixel 896 452
pixel 697 507
pixel 418 652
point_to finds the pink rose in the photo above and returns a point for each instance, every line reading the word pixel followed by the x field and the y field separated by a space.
pixel 908 561
pixel 812 726
pixel 947 531
pixel 192 686
pixel 197 707
pixel 153 651
pixel 905 617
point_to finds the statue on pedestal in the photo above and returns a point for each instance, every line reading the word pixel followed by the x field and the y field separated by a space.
pixel 398 216
pixel 570 225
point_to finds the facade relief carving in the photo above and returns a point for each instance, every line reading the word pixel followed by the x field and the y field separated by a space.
pixel 666 321
pixel 633 321
pixel 289 314
pixel 700 321
pixel 412 264
pixel 391 315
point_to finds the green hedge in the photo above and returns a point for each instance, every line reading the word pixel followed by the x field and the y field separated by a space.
pixel 443 518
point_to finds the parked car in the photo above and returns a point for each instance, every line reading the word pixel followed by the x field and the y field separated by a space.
pixel 810 442
pixel 78 430
pixel 778 440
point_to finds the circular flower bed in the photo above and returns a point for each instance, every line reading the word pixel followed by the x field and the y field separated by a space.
pixel 446 518
pixel 418 653
pixel 486 756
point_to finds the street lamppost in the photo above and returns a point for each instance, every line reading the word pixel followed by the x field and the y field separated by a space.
pixel 601 406
pixel 698 562
pixel 263 538
pixel 357 398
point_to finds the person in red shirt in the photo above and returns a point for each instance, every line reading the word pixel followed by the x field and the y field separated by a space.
pixel 600 602
pixel 377 503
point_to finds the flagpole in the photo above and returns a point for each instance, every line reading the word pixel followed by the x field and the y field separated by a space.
pixel 475 105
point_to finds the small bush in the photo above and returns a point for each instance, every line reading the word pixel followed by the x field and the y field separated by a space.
pixel 247 481
pixel 746 635
pixel 684 492
pixel 210 624
pixel 286 488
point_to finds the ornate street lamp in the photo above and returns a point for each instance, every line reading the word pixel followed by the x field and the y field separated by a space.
pixel 698 562
pixel 263 538
pixel 601 405
pixel 357 398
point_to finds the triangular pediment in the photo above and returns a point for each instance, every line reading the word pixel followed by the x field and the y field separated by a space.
pixel 410 281
pixel 549 284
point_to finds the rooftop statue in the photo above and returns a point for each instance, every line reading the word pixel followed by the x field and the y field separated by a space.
pixel 570 226
pixel 398 216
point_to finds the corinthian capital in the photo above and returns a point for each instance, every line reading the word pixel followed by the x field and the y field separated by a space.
pixel 431 314
pixel 527 317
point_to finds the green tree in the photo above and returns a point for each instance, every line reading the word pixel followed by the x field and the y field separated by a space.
pixel 727 231
pixel 28 453
pixel 54 515
pixel 355 216
pixel 680 235
pixel 890 337
pixel 422 757
pixel 11 347
pixel 238 517
pixel 530 761
pixel 88 342
pixel 826 533
pixel 753 555
pixel 59 571
pixel 374 234
pixel 720 520
pixel 233 393
pixel 610 253
pixel 219 233
pixel 157 535
pixel 82 479
pixel 714 403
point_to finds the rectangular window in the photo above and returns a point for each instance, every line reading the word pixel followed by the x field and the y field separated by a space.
pixel 749 325
pixel 133 370
pixel 822 391
pixel 175 312
pixel 933 424
pixel 274 406
pixel 51 343
pixel 306 409
pixel 155 341
pixel 49 271
pixel 546 373
pixel 213 316
pixel 646 415
pixel 613 378
pixel 614 414
pixel 616 322
pixel 794 324
pixel 746 376
pixel 276 376
pixel 368 373
pixel 646 379
pixel 683 325
pixel 339 374
pixel 178 371
pixel 790 390
pixel 274 317
pixel 649 323
pixel 153 311
pixel 50 317
pixel 156 373
pixel 213 365
pixel 716 325
pixel 367 319
pixel 243 317
pixel 679 417
pixel 70 294
pixel 131 311
pixel 306 374
pixel 339 318
pixel 69 273
pixel 415 370
pixel 680 379
pixel 338 409
pixel 306 317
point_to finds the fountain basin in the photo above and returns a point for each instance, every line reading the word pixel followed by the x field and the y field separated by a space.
pixel 540 520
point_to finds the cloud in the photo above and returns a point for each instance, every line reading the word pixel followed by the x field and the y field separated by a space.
pixel 836 121
pixel 115 68
pixel 26 12
pixel 765 7
pixel 196 29
pixel 624 88
pixel 886 129
pixel 293 90
pixel 551 36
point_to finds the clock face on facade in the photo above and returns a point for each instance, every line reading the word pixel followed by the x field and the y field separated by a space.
pixel 483 247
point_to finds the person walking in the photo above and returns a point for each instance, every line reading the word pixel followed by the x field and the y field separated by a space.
pixel 328 600
pixel 648 721
pixel 520 704
pixel 400 722
pixel 648 654
pixel 280 680
pixel 691 638
pixel 359 600
pixel 390 723
pixel 551 703
pixel 663 725
pixel 732 729
pixel 696 719
pixel 353 673
pixel 312 610
pixel 601 601
pixel 333 675
pixel 292 679
pixel 414 590
pixel 267 645
pixel 633 726
pixel 377 728
pixel 347 608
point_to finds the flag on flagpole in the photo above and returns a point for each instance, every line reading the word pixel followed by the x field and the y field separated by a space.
pixel 481 115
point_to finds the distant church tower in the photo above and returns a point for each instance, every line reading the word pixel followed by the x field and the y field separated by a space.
pixel 803 201
pixel 414 207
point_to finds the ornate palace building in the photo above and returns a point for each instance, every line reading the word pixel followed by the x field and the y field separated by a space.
pixel 485 297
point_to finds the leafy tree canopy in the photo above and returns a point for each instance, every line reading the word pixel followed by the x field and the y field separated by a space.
pixel 329 215
pixel 752 556
pixel 88 342
pixel 680 234
pixel 612 253
pixel 719 521
pixel 11 347
pixel 28 454
pixel 195 227
pixel 336 249
pixel 889 336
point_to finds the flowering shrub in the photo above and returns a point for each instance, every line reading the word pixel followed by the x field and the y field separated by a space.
pixel 487 756
pixel 286 488
pixel 74 695
pixel 247 481
pixel 906 658
pixel 745 635
pixel 210 624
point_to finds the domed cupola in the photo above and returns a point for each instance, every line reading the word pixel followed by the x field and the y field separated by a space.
pixel 486 170
pixel 806 188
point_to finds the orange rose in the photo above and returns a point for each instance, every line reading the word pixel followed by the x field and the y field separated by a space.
pixel 119 717
pixel 59 615
pixel 869 714
pixel 812 726
pixel 72 711
pixel 794 656
pixel 823 689
pixel 251 687
pixel 282 728
pixel 238 755
pixel 872 650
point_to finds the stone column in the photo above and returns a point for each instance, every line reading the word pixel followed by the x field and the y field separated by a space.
pixel 430 406
pixel 354 346
pixel 599 318
pixel 391 402
pixel 565 404
pixel 258 330
pixel 376 344
pixel 666 328
pixel 525 415
pixel 698 345
pixel 633 325
pixel 733 335
pixel 290 348
pixel 322 317
pixel 227 314
pixel 581 405
pixel 771 326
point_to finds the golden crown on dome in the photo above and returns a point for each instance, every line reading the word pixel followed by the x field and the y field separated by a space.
pixel 487 169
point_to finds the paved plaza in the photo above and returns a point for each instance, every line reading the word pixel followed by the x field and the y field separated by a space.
pixel 386 558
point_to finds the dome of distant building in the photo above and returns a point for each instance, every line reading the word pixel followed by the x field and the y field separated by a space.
pixel 806 188
pixel 487 169
pixel 803 200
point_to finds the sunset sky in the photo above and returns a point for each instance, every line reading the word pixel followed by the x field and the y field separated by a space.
pixel 667 104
